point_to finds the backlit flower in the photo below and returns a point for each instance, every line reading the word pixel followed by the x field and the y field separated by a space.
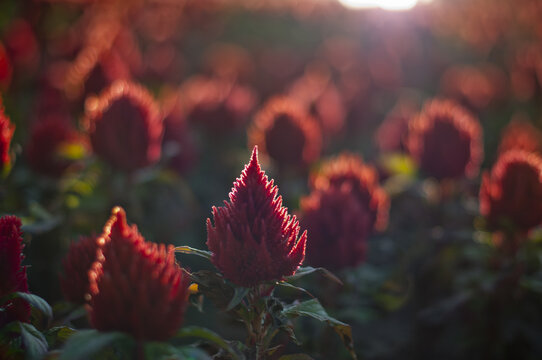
pixel 6 134
pixel 391 135
pixel 446 141
pixel 135 286
pixel 12 274
pixel 76 265
pixel 125 126
pixel 285 131
pixel 511 195
pixel 6 69
pixel 253 238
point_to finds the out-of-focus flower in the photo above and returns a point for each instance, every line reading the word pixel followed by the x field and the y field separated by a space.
pixel 22 45
pixel 320 97
pixel 526 72
pixel 125 126
pixel 12 274
pixel 135 286
pixel 391 135
pixel 253 238
pixel 229 62
pixel 343 210
pixel 286 132
pixel 76 265
pixel 446 140
pixel 6 69
pixel 6 134
pixel 216 105
pixel 164 63
pixel 54 146
pixel 475 87
pixel 177 144
pixel 511 195
pixel 520 134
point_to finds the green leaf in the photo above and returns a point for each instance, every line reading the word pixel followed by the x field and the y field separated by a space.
pixel 239 294
pixel 296 357
pixel 58 335
pixel 290 286
pixel 306 270
pixel 312 308
pixel 86 343
pixel 206 334
pixel 36 302
pixel 34 342
pixel 193 251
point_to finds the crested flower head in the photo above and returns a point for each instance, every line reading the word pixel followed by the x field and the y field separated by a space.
pixel 511 195
pixel 52 138
pixel 253 238
pixel 446 141
pixel 521 135
pixel 344 208
pixel 76 265
pixel 348 171
pixel 6 134
pixel 286 132
pixel 125 126
pixel 135 286
pixel 217 105
pixel 12 274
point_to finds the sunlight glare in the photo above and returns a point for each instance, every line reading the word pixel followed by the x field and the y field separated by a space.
pixel 395 5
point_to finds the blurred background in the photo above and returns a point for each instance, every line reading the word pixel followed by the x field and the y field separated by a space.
pixel 432 284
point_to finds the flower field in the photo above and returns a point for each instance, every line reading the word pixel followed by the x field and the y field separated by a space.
pixel 270 179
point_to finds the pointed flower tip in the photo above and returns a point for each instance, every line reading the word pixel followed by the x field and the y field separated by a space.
pixel 254 156
pixel 117 219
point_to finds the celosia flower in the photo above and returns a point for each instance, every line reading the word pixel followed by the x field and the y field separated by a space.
pixel 217 105
pixel 253 238
pixel 22 45
pixel 6 134
pixel 53 146
pixel 391 135
pixel 446 141
pixel 12 274
pixel 125 126
pixel 5 68
pixel 76 265
pixel 286 132
pixel 511 195
pixel 521 135
pixel 135 286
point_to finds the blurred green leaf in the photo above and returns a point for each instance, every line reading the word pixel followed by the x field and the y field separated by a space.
pixel 87 343
pixel 36 302
pixel 59 335
pixel 239 294
pixel 312 308
pixel 192 251
pixel 35 344
pixel 296 357
pixel 212 337
pixel 306 270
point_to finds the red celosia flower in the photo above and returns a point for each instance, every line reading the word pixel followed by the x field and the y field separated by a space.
pixel 22 45
pixel 6 134
pixel 76 265
pixel 135 286
pixel 521 135
pixel 125 126
pixel 446 141
pixel 511 196
pixel 5 68
pixel 391 135
pixel 48 148
pixel 12 274
pixel 286 132
pixel 217 105
pixel 253 238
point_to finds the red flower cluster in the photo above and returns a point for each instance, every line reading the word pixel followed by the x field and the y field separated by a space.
pixel 521 135
pixel 76 265
pixel 6 69
pixel 6 134
pixel 135 286
pixel 446 141
pixel 48 147
pixel 253 238
pixel 125 126
pixel 511 196
pixel 346 205
pixel 285 131
pixel 12 274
